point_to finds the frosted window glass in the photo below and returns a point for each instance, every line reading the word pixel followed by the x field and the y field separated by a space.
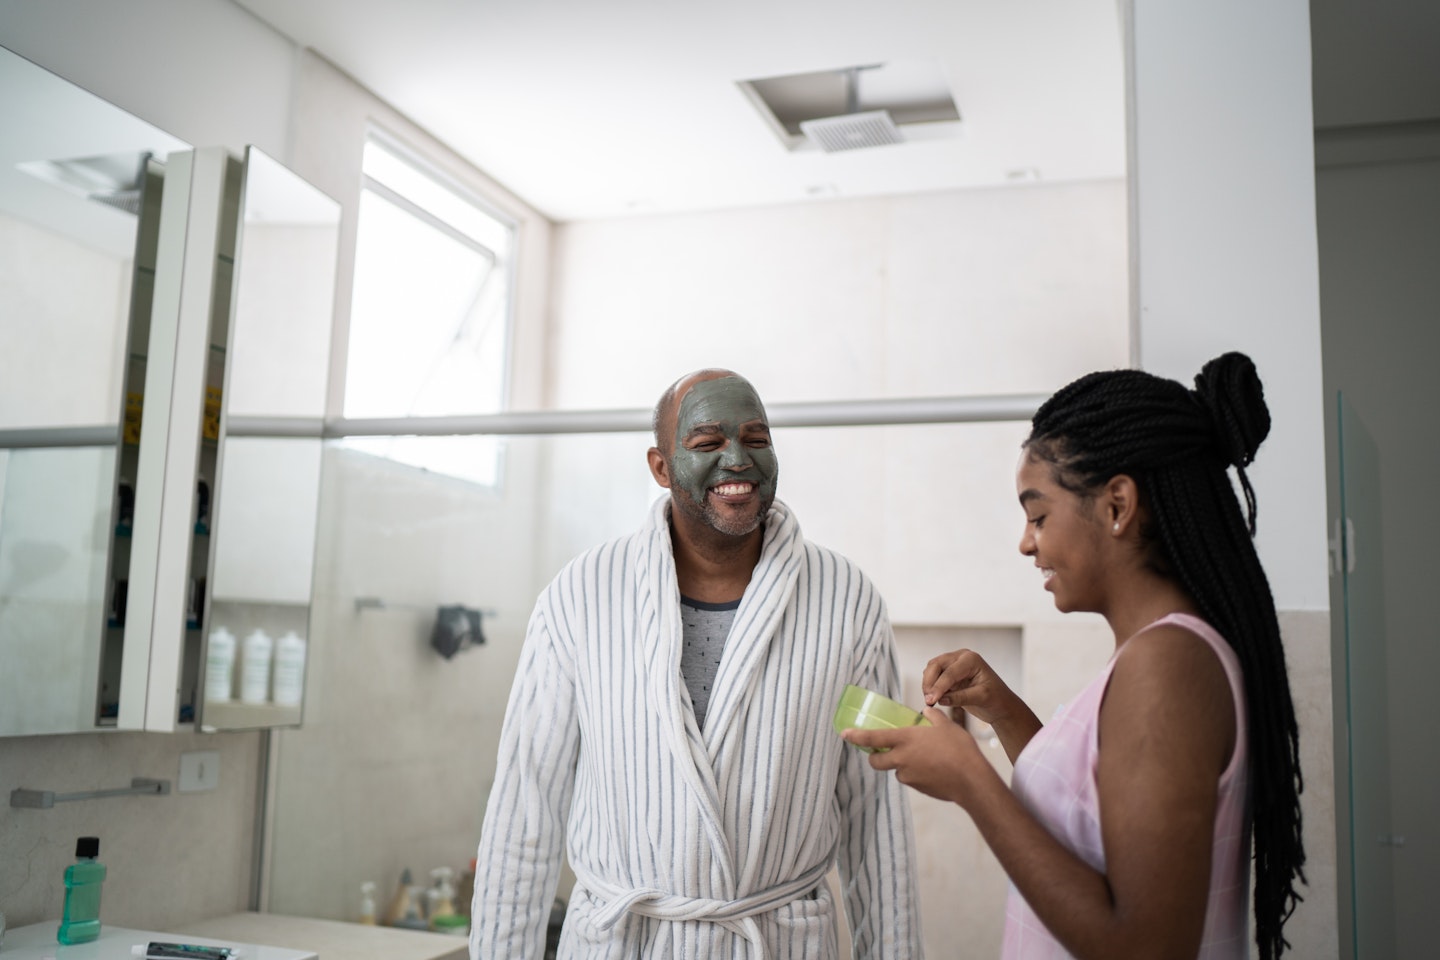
pixel 430 313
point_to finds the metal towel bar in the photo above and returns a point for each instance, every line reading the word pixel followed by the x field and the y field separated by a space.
pixel 375 603
pixel 42 799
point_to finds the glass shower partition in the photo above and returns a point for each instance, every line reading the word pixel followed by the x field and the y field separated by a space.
pixel 1367 725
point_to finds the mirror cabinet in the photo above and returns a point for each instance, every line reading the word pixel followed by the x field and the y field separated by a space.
pixel 151 294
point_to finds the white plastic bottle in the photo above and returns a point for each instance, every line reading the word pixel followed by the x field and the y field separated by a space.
pixel 255 667
pixel 220 665
pixel 289 670
pixel 367 903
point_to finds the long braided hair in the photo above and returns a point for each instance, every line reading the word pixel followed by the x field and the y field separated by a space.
pixel 1177 444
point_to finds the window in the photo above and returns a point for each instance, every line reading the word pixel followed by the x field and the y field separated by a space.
pixel 430 311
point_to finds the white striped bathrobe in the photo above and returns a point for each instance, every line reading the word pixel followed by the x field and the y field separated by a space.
pixel 687 844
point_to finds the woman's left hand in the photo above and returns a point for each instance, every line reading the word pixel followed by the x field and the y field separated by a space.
pixel 941 760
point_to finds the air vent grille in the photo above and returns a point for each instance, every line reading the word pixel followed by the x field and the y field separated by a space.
pixel 852 131
pixel 127 200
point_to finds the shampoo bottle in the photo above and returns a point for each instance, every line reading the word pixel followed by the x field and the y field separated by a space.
pixel 80 921
pixel 289 670
pixel 220 665
pixel 255 667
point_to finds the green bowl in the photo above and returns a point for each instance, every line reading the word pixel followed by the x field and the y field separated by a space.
pixel 868 710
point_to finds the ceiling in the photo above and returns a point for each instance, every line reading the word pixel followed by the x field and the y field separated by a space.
pixel 592 109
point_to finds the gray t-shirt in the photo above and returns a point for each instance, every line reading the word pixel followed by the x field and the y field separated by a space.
pixel 706 627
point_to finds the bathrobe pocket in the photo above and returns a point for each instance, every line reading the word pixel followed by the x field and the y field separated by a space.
pixel 803 928
pixel 582 937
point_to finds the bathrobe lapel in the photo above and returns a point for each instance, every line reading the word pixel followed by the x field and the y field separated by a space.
pixel 756 622
pixel 661 643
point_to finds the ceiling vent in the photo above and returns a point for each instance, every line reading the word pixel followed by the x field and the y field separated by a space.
pixel 857 107
pixel 853 131
pixel 112 180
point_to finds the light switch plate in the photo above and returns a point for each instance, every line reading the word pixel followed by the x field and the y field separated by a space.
pixel 199 770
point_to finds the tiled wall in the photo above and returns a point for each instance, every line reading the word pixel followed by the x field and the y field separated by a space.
pixel 170 859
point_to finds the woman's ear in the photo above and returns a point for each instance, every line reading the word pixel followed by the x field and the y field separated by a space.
pixel 1121 504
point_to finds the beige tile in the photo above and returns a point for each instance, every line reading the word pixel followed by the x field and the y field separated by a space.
pixel 1314 928
pixel 168 858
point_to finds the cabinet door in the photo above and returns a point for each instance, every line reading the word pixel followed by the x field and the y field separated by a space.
pixel 227 502
pixel 170 546
pixel 268 475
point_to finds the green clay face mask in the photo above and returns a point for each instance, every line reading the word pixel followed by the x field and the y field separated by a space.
pixel 721 436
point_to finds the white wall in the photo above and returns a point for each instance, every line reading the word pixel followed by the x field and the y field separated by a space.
pixel 1222 184
pixel 1224 192
pixel 931 295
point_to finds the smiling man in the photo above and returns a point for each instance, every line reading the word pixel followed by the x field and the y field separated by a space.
pixel 669 728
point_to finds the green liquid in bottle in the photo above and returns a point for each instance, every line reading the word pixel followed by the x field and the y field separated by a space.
pixel 80 921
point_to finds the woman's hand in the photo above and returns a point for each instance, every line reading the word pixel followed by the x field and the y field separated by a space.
pixel 962 678
pixel 941 760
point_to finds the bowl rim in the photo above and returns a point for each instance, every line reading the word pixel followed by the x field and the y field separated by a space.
pixel 869 708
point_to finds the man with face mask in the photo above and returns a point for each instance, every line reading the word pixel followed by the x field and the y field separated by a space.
pixel 669 727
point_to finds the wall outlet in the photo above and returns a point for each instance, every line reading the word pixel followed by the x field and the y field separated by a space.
pixel 199 770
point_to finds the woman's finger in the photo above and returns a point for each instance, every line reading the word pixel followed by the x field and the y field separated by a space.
pixel 873 739
pixel 938 717
pixel 942 679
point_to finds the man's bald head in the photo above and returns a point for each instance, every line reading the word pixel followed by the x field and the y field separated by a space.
pixel 662 422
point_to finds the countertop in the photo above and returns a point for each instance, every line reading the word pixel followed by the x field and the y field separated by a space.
pixel 328 939
pixel 37 942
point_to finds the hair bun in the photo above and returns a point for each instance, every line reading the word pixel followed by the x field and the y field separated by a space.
pixel 1229 388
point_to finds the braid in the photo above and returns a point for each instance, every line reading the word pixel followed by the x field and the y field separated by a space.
pixel 1176 445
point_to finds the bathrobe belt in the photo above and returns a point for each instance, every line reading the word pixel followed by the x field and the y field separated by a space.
pixel 735 915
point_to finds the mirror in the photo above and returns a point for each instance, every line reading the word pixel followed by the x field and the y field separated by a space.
pixel 78 178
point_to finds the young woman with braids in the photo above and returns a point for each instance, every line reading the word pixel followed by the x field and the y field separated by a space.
pixel 1127 831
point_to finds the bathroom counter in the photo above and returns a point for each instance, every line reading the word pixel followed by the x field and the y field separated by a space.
pixel 331 939
pixel 37 942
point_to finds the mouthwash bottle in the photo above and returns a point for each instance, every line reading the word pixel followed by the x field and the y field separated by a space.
pixel 80 921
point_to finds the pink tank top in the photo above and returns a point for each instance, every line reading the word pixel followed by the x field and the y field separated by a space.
pixel 1054 779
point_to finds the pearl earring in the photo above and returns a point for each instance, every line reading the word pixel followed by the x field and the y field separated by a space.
pixel 1116 528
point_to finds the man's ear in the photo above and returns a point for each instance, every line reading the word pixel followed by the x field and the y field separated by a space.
pixel 659 469
pixel 1121 504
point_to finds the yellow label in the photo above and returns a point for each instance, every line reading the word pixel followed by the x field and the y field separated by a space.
pixel 211 428
pixel 134 404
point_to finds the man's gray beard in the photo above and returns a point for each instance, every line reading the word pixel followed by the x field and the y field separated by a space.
pixel 707 514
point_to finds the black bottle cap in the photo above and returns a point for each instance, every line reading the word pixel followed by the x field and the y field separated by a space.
pixel 87 847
